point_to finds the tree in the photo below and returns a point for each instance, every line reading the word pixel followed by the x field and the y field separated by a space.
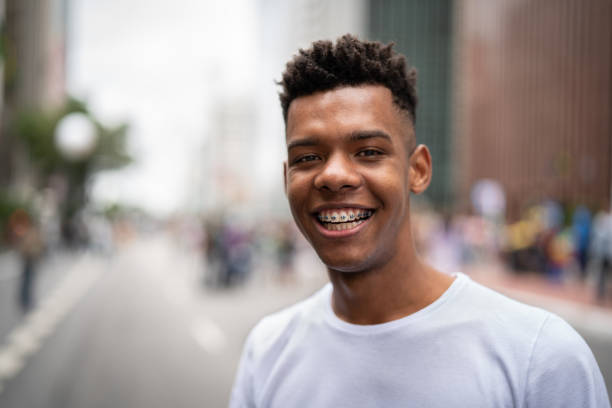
pixel 36 131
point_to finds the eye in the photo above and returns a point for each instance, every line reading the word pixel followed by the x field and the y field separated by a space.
pixel 369 153
pixel 306 158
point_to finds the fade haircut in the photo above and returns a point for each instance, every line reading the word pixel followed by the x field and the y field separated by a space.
pixel 349 62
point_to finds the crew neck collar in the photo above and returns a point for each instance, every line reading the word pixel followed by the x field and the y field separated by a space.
pixel 331 317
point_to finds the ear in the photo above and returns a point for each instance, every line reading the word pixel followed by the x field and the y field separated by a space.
pixel 420 169
pixel 285 177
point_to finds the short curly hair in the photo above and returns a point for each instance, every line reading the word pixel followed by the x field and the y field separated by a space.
pixel 349 62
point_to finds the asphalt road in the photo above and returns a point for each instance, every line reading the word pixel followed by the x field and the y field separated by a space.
pixel 140 330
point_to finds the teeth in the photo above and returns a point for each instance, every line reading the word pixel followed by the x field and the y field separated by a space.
pixel 342 226
pixel 343 216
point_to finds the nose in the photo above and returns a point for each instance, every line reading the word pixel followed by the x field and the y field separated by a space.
pixel 337 174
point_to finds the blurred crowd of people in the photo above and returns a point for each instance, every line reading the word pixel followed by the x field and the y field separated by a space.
pixel 233 249
pixel 561 244
pixel 548 239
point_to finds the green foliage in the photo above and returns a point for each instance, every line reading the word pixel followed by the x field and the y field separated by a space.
pixel 2 41
pixel 113 211
pixel 116 211
pixel 110 152
pixel 8 205
pixel 36 130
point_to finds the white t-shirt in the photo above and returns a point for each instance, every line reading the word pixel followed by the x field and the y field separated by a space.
pixel 472 347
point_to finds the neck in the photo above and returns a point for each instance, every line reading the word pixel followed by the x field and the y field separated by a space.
pixel 387 293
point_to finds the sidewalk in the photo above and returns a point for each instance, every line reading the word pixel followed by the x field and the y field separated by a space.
pixel 50 272
pixel 574 301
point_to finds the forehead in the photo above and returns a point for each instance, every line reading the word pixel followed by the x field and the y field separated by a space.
pixel 344 110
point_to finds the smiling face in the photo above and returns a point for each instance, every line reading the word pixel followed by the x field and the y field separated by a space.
pixel 349 174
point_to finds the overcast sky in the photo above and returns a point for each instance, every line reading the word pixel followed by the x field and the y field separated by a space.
pixel 157 65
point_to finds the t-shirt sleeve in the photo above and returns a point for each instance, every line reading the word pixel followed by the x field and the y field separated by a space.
pixel 242 391
pixel 563 371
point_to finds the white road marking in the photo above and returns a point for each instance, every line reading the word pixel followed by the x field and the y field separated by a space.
pixel 10 362
pixel 27 338
pixel 208 335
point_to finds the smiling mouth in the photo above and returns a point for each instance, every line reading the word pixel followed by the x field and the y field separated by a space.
pixel 343 219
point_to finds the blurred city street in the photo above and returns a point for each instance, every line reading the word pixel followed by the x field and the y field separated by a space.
pixel 143 332
pixel 144 220
pixel 139 328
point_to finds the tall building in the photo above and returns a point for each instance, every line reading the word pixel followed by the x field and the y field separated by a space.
pixel 2 64
pixel 227 178
pixel 33 72
pixel 534 92
pixel 518 91
pixel 423 32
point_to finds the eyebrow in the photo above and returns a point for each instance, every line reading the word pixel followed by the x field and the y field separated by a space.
pixel 353 137
pixel 311 141
pixel 368 134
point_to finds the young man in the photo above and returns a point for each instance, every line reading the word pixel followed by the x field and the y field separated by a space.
pixel 389 331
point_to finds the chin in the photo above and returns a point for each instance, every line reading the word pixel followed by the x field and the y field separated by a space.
pixel 345 265
pixel 355 260
pixel 347 271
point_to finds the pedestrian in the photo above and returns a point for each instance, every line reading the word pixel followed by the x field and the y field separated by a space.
pixel 27 240
pixel 389 330
pixel 581 234
pixel 601 252
pixel 285 252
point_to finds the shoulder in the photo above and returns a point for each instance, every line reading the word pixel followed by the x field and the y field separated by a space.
pixel 559 369
pixel 557 332
pixel 562 369
pixel 499 312
pixel 268 340
pixel 275 330
pixel 558 347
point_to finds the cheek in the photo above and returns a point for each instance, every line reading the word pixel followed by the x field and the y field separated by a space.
pixel 390 185
pixel 296 193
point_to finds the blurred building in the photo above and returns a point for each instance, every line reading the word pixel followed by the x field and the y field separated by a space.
pixel 518 91
pixel 227 168
pixel 2 64
pixel 286 26
pixel 247 129
pixel 423 32
pixel 34 72
pixel 536 94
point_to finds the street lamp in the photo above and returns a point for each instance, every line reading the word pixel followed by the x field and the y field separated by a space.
pixel 76 136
